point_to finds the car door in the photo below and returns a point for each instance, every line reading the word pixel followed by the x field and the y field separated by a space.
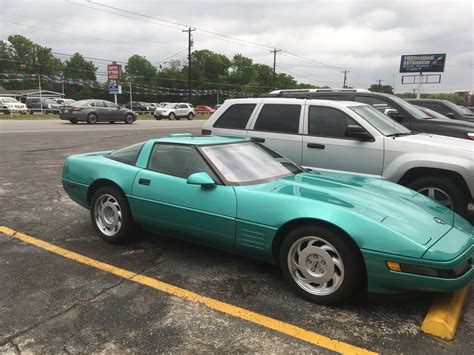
pixel 326 146
pixel 182 110
pixel 112 112
pixel 277 126
pixel 162 198
pixel 100 110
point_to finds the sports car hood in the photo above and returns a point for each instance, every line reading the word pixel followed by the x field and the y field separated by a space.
pixel 396 207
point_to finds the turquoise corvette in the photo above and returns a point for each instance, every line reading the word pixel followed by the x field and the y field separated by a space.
pixel 330 233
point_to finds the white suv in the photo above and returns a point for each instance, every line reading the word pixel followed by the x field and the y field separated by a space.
pixel 10 105
pixel 356 138
pixel 174 111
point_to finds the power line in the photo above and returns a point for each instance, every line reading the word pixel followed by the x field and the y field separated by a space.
pixel 77 35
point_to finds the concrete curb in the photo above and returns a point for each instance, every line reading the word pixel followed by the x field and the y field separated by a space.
pixel 443 316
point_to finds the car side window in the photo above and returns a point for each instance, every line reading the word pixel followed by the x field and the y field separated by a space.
pixel 235 117
pixel 376 102
pixel 329 122
pixel 279 118
pixel 110 104
pixel 435 106
pixel 178 160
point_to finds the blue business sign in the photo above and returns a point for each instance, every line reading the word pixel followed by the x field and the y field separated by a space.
pixel 426 63
pixel 115 89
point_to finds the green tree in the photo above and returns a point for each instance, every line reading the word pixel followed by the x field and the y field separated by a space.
pixel 387 89
pixel 139 70
pixel 242 70
pixel 76 67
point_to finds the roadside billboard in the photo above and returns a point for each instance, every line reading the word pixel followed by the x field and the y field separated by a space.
pixel 426 63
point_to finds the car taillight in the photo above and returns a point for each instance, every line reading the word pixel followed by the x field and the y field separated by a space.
pixel 471 136
pixel 206 132
pixel 77 109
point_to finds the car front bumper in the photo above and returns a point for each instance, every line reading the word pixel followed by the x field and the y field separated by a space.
pixel 380 279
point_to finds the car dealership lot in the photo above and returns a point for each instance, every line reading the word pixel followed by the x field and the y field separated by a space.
pixel 53 304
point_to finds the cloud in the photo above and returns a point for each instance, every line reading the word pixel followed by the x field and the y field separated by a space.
pixel 365 36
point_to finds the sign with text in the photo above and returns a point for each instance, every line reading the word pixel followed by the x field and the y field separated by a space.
pixel 423 63
pixel 115 89
pixel 114 71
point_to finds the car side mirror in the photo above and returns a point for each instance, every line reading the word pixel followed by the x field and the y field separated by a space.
pixel 450 115
pixel 394 114
pixel 202 179
pixel 359 133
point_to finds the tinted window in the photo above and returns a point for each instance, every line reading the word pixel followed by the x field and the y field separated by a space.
pixel 127 155
pixel 328 122
pixel 236 116
pixel 279 118
pixel 177 160
pixel 435 106
pixel 377 103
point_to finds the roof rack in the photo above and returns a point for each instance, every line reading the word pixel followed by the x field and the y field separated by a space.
pixel 284 91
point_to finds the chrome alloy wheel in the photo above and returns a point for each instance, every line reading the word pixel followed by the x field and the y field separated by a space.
pixel 315 266
pixel 108 215
pixel 438 195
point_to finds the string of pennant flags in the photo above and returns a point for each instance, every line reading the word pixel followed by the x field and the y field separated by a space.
pixel 138 89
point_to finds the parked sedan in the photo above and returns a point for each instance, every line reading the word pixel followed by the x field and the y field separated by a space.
pixel 330 233
pixel 93 111
pixel 202 109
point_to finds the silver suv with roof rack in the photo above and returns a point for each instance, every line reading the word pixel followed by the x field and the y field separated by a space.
pixel 356 138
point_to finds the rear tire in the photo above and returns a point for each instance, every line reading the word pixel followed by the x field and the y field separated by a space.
pixel 110 215
pixel 442 189
pixel 92 118
pixel 73 120
pixel 321 265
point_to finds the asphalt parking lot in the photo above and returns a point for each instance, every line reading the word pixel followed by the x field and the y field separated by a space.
pixel 49 303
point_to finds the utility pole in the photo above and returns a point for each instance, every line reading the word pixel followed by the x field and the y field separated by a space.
pixel 275 51
pixel 131 98
pixel 345 78
pixel 380 84
pixel 420 79
pixel 190 44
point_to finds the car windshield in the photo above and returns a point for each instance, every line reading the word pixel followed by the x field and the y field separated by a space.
pixel 170 106
pixel 9 99
pixel 459 109
pixel 380 121
pixel 412 110
pixel 245 163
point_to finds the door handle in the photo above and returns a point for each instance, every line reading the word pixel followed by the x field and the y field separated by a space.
pixel 315 146
pixel 256 139
pixel 144 182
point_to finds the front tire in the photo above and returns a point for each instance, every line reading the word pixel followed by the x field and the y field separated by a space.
pixel 442 189
pixel 92 118
pixel 129 119
pixel 190 116
pixel 73 120
pixel 321 265
pixel 172 116
pixel 110 215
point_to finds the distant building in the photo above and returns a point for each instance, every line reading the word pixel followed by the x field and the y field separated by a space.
pixel 23 94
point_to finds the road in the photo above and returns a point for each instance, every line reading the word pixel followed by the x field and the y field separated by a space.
pixel 51 304
pixel 36 126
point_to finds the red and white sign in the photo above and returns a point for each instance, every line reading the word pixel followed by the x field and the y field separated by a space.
pixel 114 71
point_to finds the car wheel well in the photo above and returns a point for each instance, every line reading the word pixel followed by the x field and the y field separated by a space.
pixel 416 173
pixel 97 185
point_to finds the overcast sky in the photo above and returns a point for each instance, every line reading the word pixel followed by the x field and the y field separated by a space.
pixel 366 37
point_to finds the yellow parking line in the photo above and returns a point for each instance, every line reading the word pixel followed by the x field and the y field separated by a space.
pixel 443 317
pixel 225 308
